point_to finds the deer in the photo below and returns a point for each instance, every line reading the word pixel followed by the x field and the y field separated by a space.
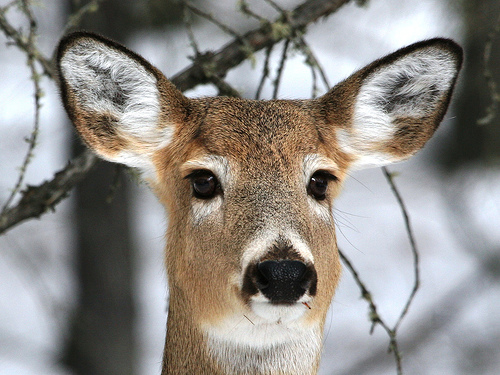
pixel 248 188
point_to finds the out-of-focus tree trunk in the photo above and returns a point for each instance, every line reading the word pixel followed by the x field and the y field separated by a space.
pixel 102 334
pixel 471 142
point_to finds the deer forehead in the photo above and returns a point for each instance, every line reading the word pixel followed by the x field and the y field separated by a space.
pixel 256 139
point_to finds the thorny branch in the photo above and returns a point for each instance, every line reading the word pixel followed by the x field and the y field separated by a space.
pixel 35 77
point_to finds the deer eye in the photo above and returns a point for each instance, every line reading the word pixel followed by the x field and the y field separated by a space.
pixel 204 183
pixel 318 184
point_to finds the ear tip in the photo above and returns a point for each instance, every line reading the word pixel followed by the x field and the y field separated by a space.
pixel 73 38
pixel 446 44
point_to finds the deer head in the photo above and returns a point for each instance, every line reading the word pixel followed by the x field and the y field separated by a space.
pixel 248 186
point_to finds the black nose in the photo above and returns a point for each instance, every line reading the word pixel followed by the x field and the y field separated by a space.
pixel 283 281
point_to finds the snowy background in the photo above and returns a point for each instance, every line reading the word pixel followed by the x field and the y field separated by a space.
pixel 453 326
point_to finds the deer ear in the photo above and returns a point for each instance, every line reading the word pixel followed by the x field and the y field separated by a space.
pixel 388 110
pixel 122 107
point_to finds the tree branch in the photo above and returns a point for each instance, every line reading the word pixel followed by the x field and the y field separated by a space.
pixel 37 200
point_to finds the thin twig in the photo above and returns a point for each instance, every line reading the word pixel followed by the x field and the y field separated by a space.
pixel 311 60
pixel 6 7
pixel 224 88
pixel 245 9
pixel 314 88
pixel 275 6
pixel 265 72
pixel 188 22
pixel 233 54
pixel 374 316
pixel 416 262
pixel 212 19
pixel 365 294
pixel 281 67
pixel 299 42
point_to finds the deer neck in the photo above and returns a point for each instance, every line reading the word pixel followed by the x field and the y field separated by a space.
pixel 185 347
pixel 190 349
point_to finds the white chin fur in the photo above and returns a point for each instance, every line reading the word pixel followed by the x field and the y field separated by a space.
pixel 279 314
pixel 265 325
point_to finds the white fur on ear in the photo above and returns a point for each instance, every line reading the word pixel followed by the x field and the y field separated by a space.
pixel 411 87
pixel 106 81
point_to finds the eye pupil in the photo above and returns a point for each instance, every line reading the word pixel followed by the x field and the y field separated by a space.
pixel 205 185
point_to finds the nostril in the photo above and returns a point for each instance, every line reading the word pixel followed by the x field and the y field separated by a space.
pixel 282 281
pixel 262 277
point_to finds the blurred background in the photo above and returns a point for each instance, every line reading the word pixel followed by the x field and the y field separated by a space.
pixel 83 289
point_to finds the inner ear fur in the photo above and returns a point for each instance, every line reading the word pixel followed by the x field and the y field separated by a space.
pixel 387 111
pixel 122 106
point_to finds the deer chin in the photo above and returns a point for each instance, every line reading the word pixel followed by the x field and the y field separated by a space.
pixel 268 326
